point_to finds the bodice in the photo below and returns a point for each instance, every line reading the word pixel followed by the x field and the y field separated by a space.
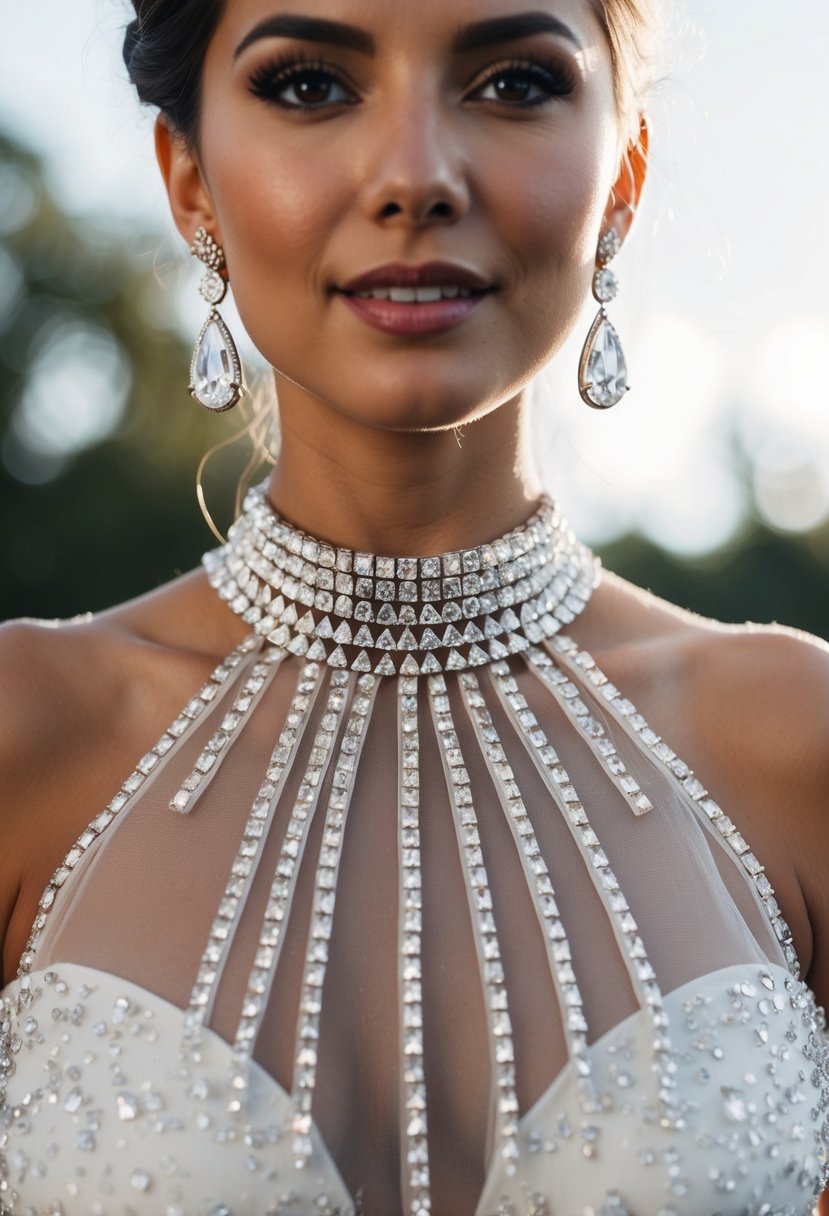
pixel 453 936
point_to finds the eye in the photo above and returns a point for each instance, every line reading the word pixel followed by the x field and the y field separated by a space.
pixel 296 83
pixel 526 83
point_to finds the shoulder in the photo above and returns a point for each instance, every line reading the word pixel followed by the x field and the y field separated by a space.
pixel 98 685
pixel 80 701
pixel 767 731
pixel 771 678
pixel 57 677
pixel 748 707
pixel 761 685
pixel 42 665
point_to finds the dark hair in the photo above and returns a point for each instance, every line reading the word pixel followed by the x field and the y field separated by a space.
pixel 165 46
pixel 164 49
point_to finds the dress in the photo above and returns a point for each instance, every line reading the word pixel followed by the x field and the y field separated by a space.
pixel 410 911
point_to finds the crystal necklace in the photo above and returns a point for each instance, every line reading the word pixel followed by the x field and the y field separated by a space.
pixel 406 615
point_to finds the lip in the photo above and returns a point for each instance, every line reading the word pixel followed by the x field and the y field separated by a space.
pixel 428 274
pixel 413 320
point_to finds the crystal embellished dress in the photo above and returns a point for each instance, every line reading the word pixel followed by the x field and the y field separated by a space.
pixel 410 911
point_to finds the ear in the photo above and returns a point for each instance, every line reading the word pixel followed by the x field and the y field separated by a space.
pixel 627 189
pixel 189 197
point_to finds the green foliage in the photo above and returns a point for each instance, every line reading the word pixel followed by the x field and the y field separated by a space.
pixel 92 520
pixel 87 525
pixel 760 576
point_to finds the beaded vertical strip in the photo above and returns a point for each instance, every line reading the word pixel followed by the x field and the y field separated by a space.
pixel 623 710
pixel 247 858
pixel 325 891
pixel 283 886
pixel 540 887
pixel 632 948
pixel 568 697
pixel 220 743
pixel 414 1158
pixel 505 1100
pixel 178 730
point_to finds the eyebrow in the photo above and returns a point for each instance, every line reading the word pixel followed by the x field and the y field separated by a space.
pixel 508 29
pixel 470 38
pixel 309 29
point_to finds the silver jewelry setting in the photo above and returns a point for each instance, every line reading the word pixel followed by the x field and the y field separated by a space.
pixel 215 368
pixel 402 615
pixel 603 374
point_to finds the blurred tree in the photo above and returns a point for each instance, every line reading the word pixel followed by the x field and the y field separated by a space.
pixel 760 576
pixel 99 440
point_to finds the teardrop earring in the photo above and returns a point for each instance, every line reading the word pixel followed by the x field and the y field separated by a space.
pixel 603 373
pixel 215 368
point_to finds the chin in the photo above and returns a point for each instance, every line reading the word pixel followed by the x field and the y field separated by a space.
pixel 397 411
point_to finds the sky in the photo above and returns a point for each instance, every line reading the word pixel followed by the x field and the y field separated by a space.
pixel 723 307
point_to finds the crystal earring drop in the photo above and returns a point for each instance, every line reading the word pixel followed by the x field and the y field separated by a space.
pixel 215 369
pixel 603 373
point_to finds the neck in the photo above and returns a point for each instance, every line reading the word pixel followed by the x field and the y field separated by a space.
pixel 393 492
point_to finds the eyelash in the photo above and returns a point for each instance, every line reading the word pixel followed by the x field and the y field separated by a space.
pixel 268 81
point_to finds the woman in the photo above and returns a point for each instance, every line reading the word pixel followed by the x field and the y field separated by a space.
pixel 410 908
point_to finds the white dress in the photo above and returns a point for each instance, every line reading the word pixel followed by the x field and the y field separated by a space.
pixel 461 935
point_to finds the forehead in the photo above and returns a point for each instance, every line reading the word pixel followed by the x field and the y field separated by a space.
pixel 393 25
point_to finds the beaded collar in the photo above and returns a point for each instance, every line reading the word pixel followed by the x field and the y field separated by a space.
pixel 407 615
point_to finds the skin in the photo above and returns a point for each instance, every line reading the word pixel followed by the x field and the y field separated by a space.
pixel 411 445
pixel 333 195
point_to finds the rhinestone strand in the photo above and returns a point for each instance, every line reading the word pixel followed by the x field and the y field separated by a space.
pixel 368 577
pixel 483 924
pixel 568 697
pixel 320 602
pixel 284 884
pixel 247 857
pixel 415 1157
pixel 323 640
pixel 625 928
pixel 540 886
pixel 220 743
pixel 325 889
pixel 628 716
pixel 178 730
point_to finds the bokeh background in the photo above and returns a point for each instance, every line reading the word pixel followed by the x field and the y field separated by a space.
pixel 709 483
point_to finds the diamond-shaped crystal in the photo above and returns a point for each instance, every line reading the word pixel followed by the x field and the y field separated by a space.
pixel 215 368
pixel 604 369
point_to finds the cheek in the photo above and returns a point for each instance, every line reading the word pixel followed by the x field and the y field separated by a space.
pixel 275 207
pixel 558 211
pixel 549 204
pixel 545 231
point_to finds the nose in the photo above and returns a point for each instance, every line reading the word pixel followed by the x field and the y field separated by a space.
pixel 415 172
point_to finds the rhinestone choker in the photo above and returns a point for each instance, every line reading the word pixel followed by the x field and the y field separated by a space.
pixel 412 615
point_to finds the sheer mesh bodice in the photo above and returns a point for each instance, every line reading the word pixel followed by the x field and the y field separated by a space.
pixel 469 942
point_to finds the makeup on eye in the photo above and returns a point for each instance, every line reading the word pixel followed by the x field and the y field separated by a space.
pixel 313 79
pixel 549 76
pixel 296 70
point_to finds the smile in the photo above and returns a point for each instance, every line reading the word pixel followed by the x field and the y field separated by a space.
pixel 414 311
pixel 417 295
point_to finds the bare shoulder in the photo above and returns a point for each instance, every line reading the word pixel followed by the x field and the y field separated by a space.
pixel 80 701
pixel 748 707
pixel 769 678
pixel 766 731
pixel 59 679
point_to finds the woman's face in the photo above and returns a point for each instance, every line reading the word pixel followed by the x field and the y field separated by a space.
pixel 340 137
